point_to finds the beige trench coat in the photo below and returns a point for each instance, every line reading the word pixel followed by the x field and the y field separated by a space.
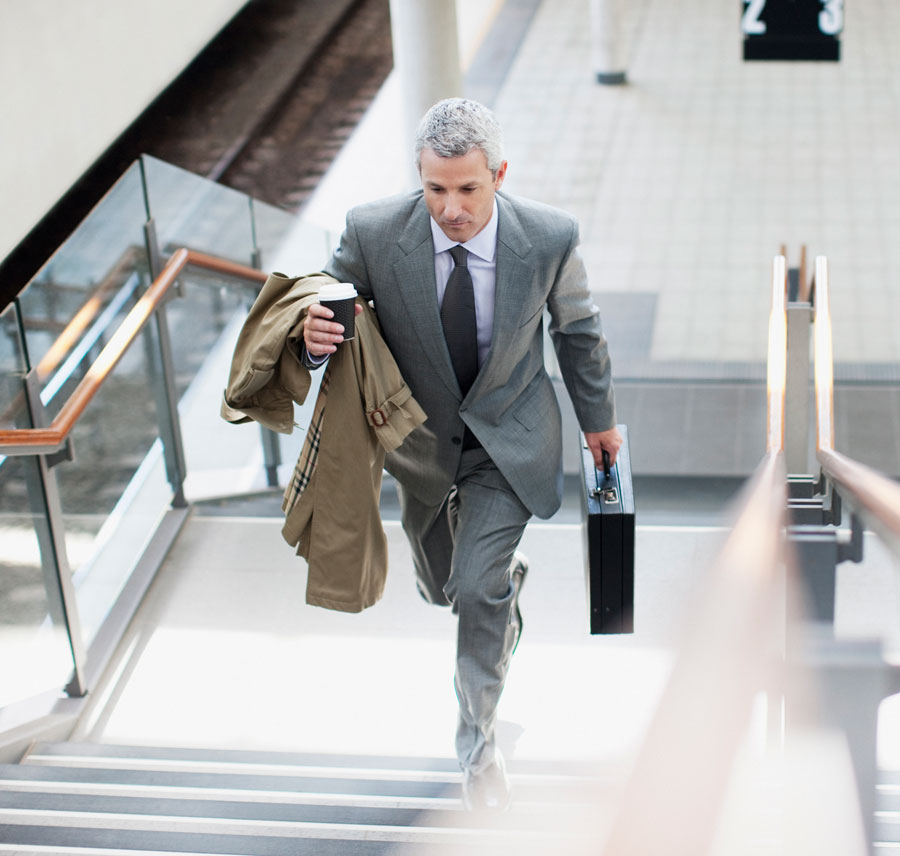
pixel 364 410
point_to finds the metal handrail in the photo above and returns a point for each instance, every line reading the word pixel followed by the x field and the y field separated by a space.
pixel 37 441
pixel 874 497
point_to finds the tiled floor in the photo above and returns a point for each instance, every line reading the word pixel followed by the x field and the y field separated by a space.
pixel 688 179
pixel 226 631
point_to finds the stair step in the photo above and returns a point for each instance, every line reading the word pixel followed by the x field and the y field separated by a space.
pixel 244 756
pixel 94 819
pixel 49 841
pixel 204 835
pixel 234 795
pixel 94 800
pixel 241 781
pixel 414 813
pixel 226 808
pixel 565 769
pixel 177 765
pixel 376 791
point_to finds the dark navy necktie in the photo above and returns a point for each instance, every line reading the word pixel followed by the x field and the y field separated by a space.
pixel 458 319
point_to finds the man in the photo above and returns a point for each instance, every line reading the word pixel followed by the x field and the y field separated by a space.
pixel 465 328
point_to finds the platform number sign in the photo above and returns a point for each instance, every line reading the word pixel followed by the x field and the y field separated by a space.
pixel 792 29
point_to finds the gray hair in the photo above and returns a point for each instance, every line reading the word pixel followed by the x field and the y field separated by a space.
pixel 455 126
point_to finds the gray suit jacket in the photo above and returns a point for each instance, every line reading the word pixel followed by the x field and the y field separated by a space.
pixel 387 252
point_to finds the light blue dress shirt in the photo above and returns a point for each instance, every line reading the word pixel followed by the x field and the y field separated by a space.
pixel 483 268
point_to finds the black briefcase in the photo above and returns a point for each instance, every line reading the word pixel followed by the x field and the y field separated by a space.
pixel 607 501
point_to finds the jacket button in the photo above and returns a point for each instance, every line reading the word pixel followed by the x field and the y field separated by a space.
pixel 456 440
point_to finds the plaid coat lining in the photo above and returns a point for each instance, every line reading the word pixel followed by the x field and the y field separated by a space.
pixel 309 454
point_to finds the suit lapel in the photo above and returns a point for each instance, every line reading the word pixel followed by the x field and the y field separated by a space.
pixel 515 278
pixel 415 280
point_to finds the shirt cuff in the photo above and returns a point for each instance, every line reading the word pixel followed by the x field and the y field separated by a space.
pixel 312 361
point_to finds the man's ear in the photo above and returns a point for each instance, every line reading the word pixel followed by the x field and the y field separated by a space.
pixel 501 174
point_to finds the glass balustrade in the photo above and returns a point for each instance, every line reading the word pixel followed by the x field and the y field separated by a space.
pixel 34 646
pixel 82 293
pixel 74 526
pixel 114 491
pixel 190 211
pixel 205 322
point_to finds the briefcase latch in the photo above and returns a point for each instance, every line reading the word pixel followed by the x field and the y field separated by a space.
pixel 607 495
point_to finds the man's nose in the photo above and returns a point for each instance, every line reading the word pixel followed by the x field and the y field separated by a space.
pixel 453 208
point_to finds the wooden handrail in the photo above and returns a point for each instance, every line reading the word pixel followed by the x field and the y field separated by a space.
pixel 804 289
pixel 776 364
pixel 873 496
pixel 823 360
pixel 726 656
pixel 683 766
pixel 35 441
pixel 725 660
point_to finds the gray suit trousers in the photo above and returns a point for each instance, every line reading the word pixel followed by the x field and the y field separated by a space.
pixel 462 549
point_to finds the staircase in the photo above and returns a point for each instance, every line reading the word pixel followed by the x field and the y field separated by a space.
pixel 107 800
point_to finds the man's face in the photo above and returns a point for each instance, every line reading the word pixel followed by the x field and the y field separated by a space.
pixel 459 192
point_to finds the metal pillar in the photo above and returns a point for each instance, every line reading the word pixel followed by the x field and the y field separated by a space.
pixel 608 43
pixel 426 57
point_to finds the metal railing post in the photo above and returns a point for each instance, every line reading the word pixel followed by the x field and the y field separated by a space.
pixel 163 381
pixel 271 454
pixel 852 680
pixel 44 501
pixel 269 439
pixel 815 513
pixel 796 441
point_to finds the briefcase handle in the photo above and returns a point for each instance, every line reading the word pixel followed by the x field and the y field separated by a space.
pixel 607 492
pixel 607 472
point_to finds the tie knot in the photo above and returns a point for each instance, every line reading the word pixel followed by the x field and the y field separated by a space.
pixel 460 255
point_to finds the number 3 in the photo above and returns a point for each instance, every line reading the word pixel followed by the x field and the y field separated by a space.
pixel 831 18
pixel 750 23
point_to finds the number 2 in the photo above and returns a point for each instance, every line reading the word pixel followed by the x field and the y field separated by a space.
pixel 750 23
pixel 831 18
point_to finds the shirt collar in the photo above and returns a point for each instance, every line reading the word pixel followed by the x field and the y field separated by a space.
pixel 483 245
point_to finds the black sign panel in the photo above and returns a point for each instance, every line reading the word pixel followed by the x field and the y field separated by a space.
pixel 792 29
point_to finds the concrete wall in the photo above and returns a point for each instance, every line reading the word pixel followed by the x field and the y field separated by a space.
pixel 73 75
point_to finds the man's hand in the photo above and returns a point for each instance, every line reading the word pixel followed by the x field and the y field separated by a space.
pixel 598 441
pixel 321 335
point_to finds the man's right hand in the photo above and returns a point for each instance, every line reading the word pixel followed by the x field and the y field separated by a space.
pixel 609 441
pixel 320 334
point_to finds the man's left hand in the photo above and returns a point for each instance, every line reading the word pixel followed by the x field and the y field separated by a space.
pixel 598 441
